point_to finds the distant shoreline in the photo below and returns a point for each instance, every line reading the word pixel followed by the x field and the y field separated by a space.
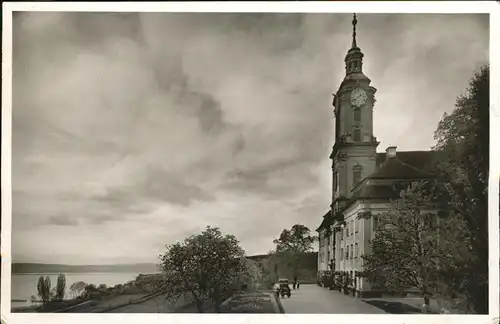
pixel 80 272
pixel 42 268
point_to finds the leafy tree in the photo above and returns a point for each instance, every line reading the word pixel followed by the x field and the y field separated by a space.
pixel 252 276
pixel 294 243
pixel 77 288
pixel 89 290
pixel 463 142
pixel 206 265
pixel 413 247
pixel 61 287
pixel 43 288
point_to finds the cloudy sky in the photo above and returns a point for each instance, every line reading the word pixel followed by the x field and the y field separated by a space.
pixel 132 131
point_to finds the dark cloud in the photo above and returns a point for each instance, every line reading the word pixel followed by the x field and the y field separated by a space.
pixel 157 184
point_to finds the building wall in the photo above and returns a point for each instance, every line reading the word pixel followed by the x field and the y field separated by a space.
pixel 349 158
pixel 322 252
pixel 361 231
pixel 325 250
pixel 356 236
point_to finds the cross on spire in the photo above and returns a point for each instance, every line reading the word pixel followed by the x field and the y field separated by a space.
pixel 354 22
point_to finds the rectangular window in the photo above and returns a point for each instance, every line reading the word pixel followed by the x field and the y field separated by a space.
pixel 356 177
pixel 334 181
pixel 357 135
pixel 356 250
pixel 347 230
pixel 357 115
pixel 347 253
pixel 352 226
pixel 357 225
pixel 430 221
pixel 375 222
pixel 341 254
pixel 352 251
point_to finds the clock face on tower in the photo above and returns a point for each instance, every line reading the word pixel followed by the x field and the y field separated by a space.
pixel 358 97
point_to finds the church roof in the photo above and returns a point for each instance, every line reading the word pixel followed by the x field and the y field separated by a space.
pixel 423 160
pixel 327 221
pixel 396 174
pixel 397 168
pixel 371 190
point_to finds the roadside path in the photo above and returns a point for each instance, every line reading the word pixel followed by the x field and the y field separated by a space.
pixel 312 299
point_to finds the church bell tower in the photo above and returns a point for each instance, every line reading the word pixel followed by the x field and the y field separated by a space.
pixel 354 152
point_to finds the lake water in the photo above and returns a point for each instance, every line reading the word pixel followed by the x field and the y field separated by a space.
pixel 23 286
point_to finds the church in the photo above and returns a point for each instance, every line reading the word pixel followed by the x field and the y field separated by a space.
pixel 363 180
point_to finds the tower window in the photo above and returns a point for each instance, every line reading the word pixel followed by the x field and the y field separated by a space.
pixel 357 135
pixel 357 115
pixel 356 175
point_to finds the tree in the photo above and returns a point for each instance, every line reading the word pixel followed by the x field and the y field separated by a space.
pixel 463 142
pixel 252 276
pixel 43 288
pixel 60 287
pixel 294 243
pixel 77 288
pixel 89 290
pixel 413 247
pixel 206 265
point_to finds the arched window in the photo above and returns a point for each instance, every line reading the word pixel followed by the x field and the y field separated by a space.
pixel 357 172
pixel 357 114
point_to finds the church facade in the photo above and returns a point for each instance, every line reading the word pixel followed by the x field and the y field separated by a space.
pixel 364 181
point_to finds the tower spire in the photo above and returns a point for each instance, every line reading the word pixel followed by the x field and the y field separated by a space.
pixel 354 57
pixel 354 22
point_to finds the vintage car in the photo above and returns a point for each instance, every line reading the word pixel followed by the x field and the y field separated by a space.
pixel 284 288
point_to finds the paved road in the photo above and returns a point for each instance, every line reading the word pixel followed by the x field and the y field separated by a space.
pixel 312 299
